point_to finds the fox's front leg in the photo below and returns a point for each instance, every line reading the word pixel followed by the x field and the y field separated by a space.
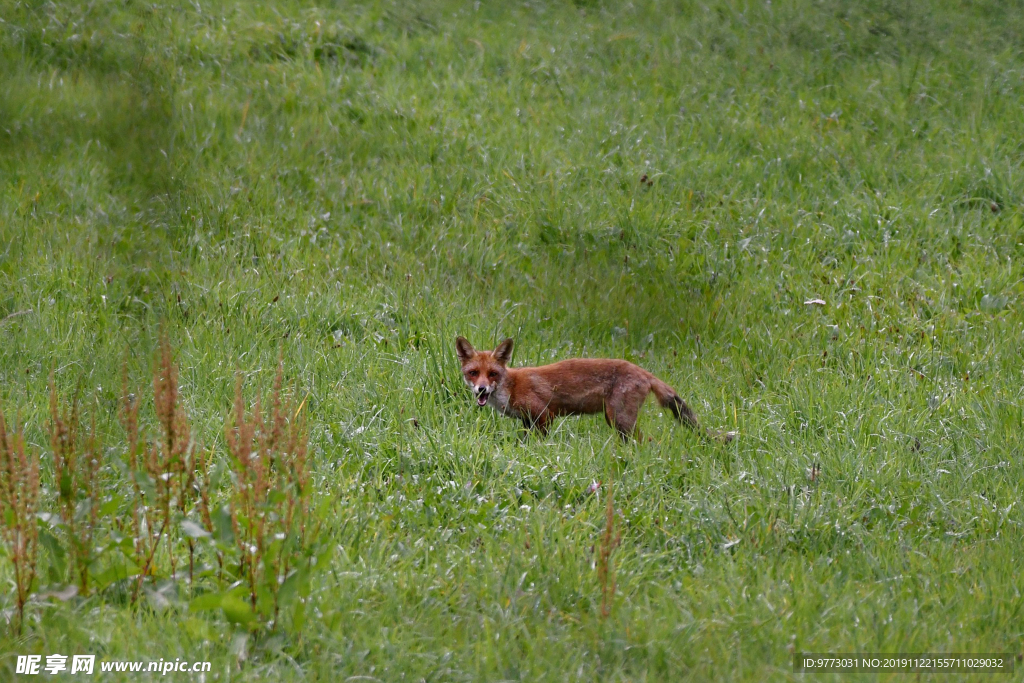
pixel 538 423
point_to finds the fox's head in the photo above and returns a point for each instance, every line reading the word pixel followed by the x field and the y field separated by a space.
pixel 484 371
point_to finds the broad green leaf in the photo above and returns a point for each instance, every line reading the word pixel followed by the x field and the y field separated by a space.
pixel 206 602
pixel 237 610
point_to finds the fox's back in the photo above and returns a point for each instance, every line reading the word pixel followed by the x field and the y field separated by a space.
pixel 576 385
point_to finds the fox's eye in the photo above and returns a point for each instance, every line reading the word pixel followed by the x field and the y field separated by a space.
pixel 492 375
pixel 473 373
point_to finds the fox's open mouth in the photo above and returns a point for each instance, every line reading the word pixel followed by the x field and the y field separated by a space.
pixel 481 397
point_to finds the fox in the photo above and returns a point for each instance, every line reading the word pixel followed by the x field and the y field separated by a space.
pixel 577 386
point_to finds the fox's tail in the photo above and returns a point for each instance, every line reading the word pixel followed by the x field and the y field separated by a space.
pixel 668 398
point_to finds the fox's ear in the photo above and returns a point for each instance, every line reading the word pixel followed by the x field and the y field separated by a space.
pixel 503 354
pixel 464 349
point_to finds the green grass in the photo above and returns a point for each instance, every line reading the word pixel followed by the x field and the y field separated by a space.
pixel 356 184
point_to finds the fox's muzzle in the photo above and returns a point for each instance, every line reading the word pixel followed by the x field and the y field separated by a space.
pixel 482 394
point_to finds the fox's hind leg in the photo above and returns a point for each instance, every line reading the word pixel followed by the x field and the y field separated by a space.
pixel 623 409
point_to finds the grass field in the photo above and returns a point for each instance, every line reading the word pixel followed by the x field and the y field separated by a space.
pixel 353 185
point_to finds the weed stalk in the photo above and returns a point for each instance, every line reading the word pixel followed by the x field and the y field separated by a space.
pixel 19 503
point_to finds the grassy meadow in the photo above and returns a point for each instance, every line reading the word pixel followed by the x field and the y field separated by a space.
pixel 807 217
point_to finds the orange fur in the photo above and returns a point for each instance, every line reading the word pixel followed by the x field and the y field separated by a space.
pixel 578 386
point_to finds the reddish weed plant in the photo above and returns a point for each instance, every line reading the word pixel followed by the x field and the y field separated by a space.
pixel 76 465
pixel 269 504
pixel 164 471
pixel 609 542
pixel 19 503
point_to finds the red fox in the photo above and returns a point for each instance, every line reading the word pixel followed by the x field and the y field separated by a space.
pixel 578 386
